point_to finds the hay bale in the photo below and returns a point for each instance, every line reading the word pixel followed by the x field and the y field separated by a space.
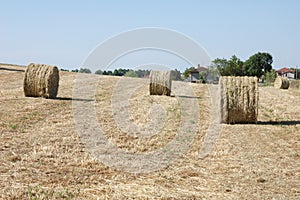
pixel 160 83
pixel 238 99
pixel 281 83
pixel 295 84
pixel 41 81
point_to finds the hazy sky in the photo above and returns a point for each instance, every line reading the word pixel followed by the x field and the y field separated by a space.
pixel 63 33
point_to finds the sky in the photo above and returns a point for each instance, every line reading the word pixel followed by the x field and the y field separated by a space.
pixel 64 33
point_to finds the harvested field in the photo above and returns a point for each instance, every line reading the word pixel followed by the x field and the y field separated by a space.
pixel 43 157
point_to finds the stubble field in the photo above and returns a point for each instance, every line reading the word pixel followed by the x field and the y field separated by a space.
pixel 43 157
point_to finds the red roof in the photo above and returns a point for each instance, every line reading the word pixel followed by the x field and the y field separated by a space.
pixel 202 69
pixel 285 70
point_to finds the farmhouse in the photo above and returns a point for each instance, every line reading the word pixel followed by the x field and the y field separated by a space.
pixel 286 72
pixel 194 76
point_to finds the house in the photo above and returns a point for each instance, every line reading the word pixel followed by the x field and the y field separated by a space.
pixel 286 72
pixel 196 74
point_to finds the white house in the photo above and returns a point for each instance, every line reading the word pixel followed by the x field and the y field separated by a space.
pixel 286 72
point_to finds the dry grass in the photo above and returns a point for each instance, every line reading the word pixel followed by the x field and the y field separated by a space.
pixel 41 81
pixel 295 84
pixel 42 155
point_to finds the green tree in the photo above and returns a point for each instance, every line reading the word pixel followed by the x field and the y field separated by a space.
pixel 120 72
pixel 258 64
pixel 175 75
pixel 85 70
pixel 110 73
pixel 270 76
pixel 235 66
pixel 99 72
pixel 202 77
pixel 142 72
pixel 297 72
pixel 220 64
pixel 74 70
pixel 231 67
pixel 131 73
pixel 212 73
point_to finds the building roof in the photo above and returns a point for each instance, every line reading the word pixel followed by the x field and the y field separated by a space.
pixel 198 69
pixel 201 69
pixel 193 71
pixel 285 70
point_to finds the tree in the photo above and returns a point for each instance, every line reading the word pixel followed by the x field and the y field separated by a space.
pixel 131 73
pixel 99 72
pixel 142 72
pixel 297 72
pixel 85 70
pixel 258 64
pixel 175 75
pixel 110 73
pixel 202 77
pixel 120 72
pixel 231 67
pixel 271 76
pixel 235 66
pixel 212 73
pixel 220 64
pixel 74 70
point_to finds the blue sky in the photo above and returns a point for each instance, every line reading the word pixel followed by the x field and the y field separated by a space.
pixel 63 33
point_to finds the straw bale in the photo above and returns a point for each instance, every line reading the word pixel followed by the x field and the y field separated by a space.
pixel 160 83
pixel 238 99
pixel 281 83
pixel 41 81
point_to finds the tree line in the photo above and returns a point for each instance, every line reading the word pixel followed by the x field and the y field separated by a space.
pixel 140 73
pixel 256 65
pixel 259 65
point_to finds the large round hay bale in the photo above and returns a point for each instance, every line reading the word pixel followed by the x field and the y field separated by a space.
pixel 160 83
pixel 238 99
pixel 41 81
pixel 295 84
pixel 281 83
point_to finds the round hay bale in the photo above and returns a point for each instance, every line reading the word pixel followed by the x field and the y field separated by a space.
pixel 295 84
pixel 238 99
pixel 160 83
pixel 41 81
pixel 281 83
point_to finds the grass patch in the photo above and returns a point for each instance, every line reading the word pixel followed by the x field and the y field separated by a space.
pixel 38 193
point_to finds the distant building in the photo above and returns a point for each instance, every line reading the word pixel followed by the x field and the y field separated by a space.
pixel 194 75
pixel 286 72
pixel 202 69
